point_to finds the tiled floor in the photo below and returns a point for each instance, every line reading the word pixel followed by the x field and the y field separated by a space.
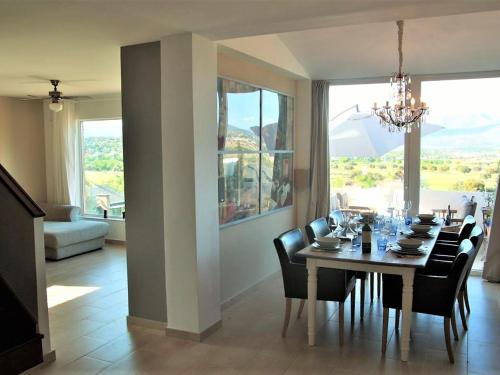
pixel 90 335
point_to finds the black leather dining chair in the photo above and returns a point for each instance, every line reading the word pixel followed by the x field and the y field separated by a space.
pixel 432 294
pixel 447 253
pixel 319 228
pixel 333 285
pixel 464 232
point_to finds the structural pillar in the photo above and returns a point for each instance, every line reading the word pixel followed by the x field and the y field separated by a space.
pixel 170 151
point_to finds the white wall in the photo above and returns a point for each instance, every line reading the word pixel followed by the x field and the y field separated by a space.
pixel 104 108
pixel 22 144
pixel 247 253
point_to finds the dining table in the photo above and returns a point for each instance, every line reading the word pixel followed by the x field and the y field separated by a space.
pixel 352 258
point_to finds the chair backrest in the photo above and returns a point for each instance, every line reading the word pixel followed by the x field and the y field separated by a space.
pixel 317 228
pixel 337 217
pixel 476 237
pixel 466 228
pixel 460 267
pixel 287 245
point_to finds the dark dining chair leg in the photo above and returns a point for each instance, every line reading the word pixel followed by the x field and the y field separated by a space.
pixel 466 299
pixel 301 307
pixel 447 339
pixel 454 324
pixel 384 329
pixel 461 309
pixel 362 299
pixel 353 304
pixel 371 286
pixel 288 310
pixel 379 284
pixel 396 324
pixel 341 323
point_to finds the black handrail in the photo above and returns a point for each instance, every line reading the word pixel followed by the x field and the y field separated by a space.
pixel 19 193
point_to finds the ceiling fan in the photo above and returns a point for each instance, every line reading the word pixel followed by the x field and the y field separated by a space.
pixel 56 97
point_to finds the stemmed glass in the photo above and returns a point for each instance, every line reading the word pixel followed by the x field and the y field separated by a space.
pixel 352 233
pixel 406 210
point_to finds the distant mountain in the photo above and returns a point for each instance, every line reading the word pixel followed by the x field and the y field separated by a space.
pixel 244 133
pixel 473 139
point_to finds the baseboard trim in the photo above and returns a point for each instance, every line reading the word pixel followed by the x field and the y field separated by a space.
pixel 198 337
pixel 49 357
pixel 474 272
pixel 146 323
pixel 245 292
pixel 115 242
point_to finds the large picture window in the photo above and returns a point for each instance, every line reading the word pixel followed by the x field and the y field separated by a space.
pixel 102 167
pixel 255 150
pixel 366 160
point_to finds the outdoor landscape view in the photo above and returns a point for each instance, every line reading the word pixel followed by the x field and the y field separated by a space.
pixel 103 167
pixel 460 147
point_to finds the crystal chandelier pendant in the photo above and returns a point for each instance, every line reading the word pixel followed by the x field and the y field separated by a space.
pixel 401 113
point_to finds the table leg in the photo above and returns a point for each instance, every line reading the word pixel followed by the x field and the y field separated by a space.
pixel 407 312
pixel 312 290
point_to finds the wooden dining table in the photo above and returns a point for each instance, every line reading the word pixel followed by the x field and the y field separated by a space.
pixel 349 258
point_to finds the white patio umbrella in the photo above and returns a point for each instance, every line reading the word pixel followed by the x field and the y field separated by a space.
pixel 362 135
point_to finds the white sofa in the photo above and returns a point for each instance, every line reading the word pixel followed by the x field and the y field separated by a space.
pixel 66 234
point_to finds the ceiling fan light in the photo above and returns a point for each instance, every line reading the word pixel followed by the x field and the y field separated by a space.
pixel 55 106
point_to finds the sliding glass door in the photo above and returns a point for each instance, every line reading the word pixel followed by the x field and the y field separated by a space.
pixel 461 161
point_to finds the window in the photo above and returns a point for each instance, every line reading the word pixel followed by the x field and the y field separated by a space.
pixel 255 150
pixel 462 157
pixel 102 167
pixel 366 160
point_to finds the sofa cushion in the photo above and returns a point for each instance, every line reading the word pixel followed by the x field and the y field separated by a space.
pixel 60 212
pixel 62 233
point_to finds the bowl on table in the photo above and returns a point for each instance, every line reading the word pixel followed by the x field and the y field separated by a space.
pixel 328 242
pixel 426 218
pixel 420 228
pixel 410 243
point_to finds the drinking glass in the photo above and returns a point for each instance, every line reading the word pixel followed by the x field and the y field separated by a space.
pixel 382 242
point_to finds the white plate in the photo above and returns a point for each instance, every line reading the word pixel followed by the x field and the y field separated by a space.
pixel 400 251
pixel 326 248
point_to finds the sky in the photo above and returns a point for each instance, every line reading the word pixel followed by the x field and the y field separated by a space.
pixel 244 109
pixel 102 128
pixel 462 103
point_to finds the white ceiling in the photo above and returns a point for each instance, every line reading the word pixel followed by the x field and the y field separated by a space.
pixel 452 44
pixel 80 40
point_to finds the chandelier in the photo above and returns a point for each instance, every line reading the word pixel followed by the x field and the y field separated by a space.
pixel 401 114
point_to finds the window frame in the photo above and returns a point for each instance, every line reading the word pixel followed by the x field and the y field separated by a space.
pixel 412 153
pixel 82 169
pixel 260 152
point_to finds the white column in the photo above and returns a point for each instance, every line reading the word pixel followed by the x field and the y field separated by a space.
pixel 412 160
pixel 189 139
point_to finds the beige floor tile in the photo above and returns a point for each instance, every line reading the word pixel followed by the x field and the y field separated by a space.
pixel 90 333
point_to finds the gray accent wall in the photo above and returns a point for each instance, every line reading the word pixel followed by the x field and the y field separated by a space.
pixel 142 146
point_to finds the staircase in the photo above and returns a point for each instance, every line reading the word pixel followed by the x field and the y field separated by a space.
pixel 24 323
pixel 20 344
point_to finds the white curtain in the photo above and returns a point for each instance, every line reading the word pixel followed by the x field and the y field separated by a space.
pixel 491 271
pixel 62 154
pixel 319 183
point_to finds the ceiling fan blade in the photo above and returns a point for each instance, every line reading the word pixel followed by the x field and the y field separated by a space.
pixel 36 97
pixel 76 97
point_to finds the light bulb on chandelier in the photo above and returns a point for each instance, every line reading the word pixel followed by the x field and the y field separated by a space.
pixel 402 114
